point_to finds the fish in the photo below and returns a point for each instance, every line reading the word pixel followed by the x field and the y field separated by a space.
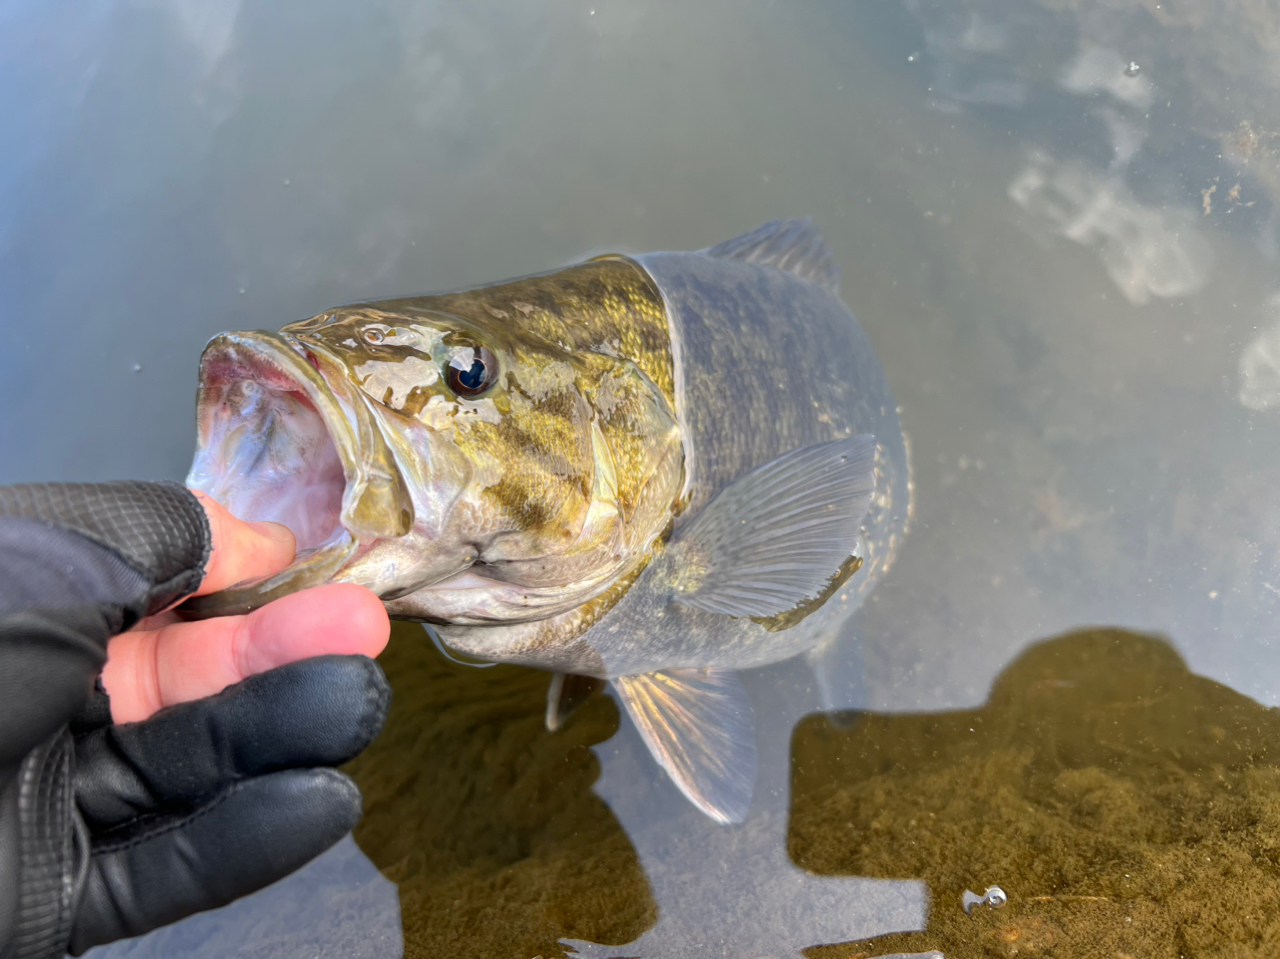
pixel 651 470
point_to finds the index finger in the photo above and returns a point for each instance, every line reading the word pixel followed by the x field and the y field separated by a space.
pixel 241 551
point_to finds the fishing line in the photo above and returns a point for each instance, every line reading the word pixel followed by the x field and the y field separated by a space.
pixel 435 638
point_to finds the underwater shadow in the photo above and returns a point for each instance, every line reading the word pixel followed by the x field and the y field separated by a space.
pixel 1124 805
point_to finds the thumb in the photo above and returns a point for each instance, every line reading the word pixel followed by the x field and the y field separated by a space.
pixel 242 551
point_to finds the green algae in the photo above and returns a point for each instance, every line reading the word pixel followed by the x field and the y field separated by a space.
pixel 486 821
pixel 1127 807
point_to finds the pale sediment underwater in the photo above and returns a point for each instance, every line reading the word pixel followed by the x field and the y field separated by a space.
pixel 654 470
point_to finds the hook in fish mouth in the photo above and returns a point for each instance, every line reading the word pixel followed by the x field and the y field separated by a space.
pixel 282 437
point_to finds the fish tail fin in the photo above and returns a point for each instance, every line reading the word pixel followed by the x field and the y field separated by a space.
pixel 698 725
pixel 792 245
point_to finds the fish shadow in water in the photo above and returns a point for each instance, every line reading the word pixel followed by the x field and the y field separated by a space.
pixel 1123 804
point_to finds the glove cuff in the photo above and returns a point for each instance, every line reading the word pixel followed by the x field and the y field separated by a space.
pixel 53 854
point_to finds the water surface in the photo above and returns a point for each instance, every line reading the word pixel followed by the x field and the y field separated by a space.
pixel 1056 223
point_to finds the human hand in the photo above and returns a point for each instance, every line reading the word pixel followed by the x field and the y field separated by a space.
pixel 109 830
pixel 164 661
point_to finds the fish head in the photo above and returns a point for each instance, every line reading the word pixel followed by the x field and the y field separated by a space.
pixel 467 471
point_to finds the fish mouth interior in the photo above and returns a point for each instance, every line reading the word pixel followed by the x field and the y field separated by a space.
pixel 266 452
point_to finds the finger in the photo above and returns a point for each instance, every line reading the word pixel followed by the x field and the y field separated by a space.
pixel 317 712
pixel 247 837
pixel 242 551
pixel 149 670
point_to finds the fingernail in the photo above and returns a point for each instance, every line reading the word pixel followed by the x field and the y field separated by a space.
pixel 276 532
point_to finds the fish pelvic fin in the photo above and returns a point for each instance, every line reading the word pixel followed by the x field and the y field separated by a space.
pixel 792 245
pixel 566 694
pixel 698 725
pixel 837 664
pixel 776 537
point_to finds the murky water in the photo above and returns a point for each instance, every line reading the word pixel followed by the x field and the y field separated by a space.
pixel 1058 225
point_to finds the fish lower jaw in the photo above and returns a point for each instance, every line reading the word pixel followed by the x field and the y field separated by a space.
pixel 471 599
pixel 311 567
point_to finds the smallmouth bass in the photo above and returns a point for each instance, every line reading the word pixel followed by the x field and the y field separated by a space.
pixel 653 470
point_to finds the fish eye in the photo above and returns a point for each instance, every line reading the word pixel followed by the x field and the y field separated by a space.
pixel 475 379
pixel 374 335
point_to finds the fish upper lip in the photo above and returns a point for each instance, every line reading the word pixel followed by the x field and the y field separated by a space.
pixel 377 503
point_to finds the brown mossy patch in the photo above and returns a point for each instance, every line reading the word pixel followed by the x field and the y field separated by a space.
pixel 1127 807
pixel 487 822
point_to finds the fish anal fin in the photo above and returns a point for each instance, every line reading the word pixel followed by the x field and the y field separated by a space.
pixel 566 694
pixel 698 725
pixel 779 538
pixel 792 245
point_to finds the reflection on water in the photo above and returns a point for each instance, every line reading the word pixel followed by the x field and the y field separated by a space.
pixel 1260 364
pixel 1147 251
pixel 1104 801
pixel 1126 806
pixel 1201 108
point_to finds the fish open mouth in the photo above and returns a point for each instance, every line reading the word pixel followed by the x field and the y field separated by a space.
pixel 266 452
pixel 277 441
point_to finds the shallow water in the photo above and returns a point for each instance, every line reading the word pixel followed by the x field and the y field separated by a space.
pixel 1067 269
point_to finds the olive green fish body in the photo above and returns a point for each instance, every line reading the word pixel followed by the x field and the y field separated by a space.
pixel 655 470
pixel 768 362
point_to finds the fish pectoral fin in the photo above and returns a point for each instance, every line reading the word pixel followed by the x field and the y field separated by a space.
pixel 567 692
pixel 698 725
pixel 777 536
pixel 792 245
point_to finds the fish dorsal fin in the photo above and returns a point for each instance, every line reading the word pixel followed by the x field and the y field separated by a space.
pixel 698 725
pixel 775 537
pixel 792 245
pixel 566 694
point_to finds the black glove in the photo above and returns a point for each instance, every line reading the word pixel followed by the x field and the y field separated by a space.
pixel 109 831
